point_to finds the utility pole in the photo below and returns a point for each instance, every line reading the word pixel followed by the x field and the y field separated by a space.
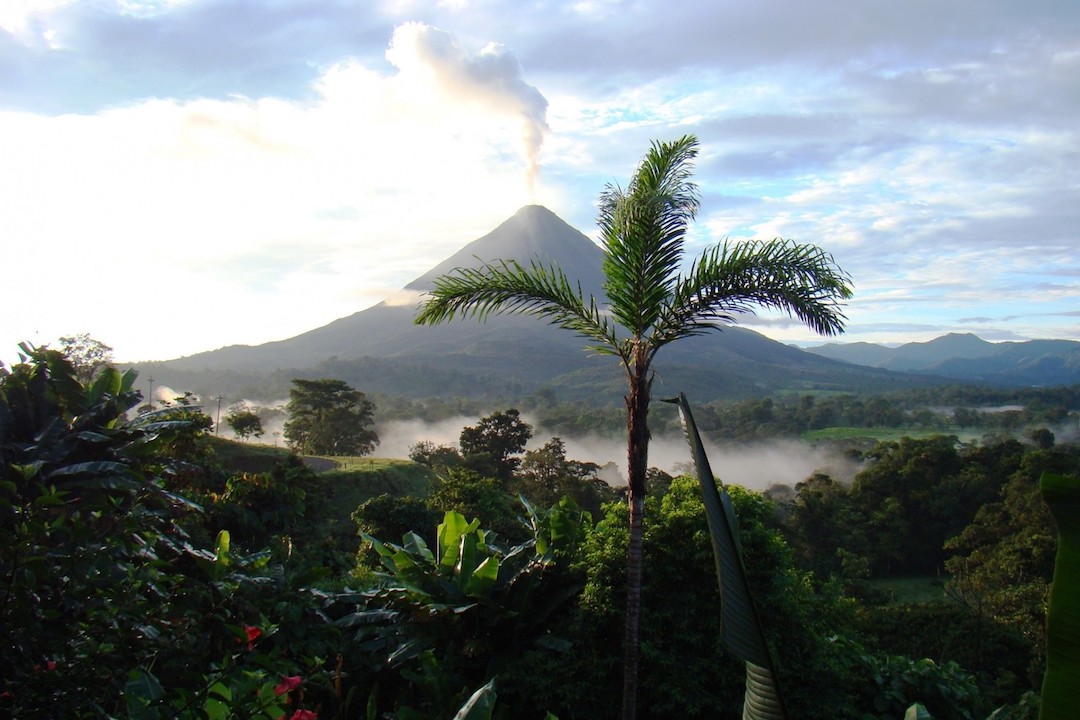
pixel 217 424
pixel 150 397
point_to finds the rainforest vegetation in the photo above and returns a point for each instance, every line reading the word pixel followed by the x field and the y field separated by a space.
pixel 153 570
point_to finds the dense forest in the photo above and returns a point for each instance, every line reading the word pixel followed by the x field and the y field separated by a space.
pixel 154 570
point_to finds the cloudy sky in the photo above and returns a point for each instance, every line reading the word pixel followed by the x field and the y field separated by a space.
pixel 179 175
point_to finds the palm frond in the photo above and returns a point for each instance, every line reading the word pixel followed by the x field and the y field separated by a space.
pixel 1059 697
pixel 506 287
pixel 734 278
pixel 642 230
pixel 741 629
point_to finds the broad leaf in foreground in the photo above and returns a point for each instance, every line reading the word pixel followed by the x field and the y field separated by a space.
pixel 1060 699
pixel 740 625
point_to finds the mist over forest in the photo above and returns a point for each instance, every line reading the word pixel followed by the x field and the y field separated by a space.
pixel 884 533
pixel 755 465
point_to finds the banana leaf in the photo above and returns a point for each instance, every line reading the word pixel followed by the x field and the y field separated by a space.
pixel 1060 700
pixel 741 630
pixel 480 705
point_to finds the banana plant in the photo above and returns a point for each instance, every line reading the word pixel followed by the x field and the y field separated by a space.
pixel 454 613
pixel 1060 700
pixel 741 629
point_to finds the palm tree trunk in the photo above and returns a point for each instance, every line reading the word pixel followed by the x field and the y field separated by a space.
pixel 637 411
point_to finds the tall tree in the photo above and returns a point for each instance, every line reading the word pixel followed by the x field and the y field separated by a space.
pixel 328 417
pixel 244 421
pixel 650 303
pixel 87 354
pixel 490 445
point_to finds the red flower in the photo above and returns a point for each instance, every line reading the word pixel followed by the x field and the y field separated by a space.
pixel 253 634
pixel 302 715
pixel 288 684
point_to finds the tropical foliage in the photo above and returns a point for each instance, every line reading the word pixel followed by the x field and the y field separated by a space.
pixel 650 304
pixel 255 602
pixel 108 608
pixel 493 445
pixel 741 629
pixel 456 612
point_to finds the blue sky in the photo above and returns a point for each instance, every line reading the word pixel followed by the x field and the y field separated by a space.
pixel 179 175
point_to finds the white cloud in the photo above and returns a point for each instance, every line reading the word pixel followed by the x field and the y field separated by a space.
pixel 275 213
pixel 239 173
pixel 433 59
pixel 19 17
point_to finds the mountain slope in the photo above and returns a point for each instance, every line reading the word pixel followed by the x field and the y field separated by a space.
pixel 533 233
pixel 385 330
pixel 380 349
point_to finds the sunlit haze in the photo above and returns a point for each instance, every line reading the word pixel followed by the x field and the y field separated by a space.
pixel 180 175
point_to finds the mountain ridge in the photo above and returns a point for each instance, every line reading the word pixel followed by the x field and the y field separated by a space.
pixel 965 356
pixel 380 349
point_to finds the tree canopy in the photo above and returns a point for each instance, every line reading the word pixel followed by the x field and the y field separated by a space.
pixel 491 445
pixel 244 422
pixel 87 354
pixel 328 417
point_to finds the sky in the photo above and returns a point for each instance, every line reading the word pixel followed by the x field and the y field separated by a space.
pixel 181 175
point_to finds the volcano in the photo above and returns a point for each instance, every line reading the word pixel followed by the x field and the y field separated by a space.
pixel 380 349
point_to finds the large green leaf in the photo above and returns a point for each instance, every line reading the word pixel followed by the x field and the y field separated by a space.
pixel 1060 700
pixel 740 625
pixel 483 577
pixel 480 705
pixel 468 559
pixel 449 534
pixel 141 691
pixel 218 701
pixel 917 712
pixel 107 383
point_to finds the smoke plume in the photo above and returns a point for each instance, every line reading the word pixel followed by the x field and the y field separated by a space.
pixel 491 78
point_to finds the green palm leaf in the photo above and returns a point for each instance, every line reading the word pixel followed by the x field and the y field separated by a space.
pixel 740 626
pixel 480 704
pixel 734 278
pixel 642 230
pixel 1059 697
pixel 507 287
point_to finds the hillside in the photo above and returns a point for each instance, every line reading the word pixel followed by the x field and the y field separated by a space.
pixel 970 359
pixel 381 351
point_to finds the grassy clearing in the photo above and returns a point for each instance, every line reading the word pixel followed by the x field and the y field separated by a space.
pixel 353 479
pixel 346 464
pixel 247 457
pixel 912 590
pixel 883 434
pixel 359 479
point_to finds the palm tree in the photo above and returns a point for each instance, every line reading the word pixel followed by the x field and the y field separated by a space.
pixel 650 304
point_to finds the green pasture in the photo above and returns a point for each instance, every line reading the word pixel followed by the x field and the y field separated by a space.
pixel 912 590
pixel 883 434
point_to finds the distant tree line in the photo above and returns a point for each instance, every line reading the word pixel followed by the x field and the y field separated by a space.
pixel 965 408
pixel 968 513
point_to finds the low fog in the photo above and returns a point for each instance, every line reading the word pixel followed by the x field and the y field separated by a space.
pixel 755 466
